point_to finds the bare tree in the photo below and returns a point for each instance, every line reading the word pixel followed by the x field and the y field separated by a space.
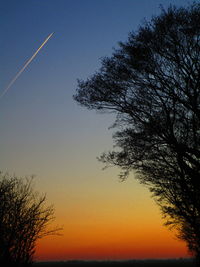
pixel 24 218
pixel 152 83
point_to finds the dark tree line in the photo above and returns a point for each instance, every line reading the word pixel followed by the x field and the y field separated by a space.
pixel 152 83
pixel 24 218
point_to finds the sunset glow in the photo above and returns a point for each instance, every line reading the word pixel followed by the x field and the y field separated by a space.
pixel 116 226
pixel 45 133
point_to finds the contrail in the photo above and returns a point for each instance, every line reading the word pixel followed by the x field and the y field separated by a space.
pixel 26 64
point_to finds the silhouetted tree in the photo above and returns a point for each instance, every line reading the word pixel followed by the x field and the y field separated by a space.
pixel 152 83
pixel 24 218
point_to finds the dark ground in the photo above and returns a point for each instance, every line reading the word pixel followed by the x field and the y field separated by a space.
pixel 133 263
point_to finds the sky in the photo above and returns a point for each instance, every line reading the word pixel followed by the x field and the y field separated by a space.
pixel 45 133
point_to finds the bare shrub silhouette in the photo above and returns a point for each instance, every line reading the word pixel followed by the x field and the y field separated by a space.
pixel 152 83
pixel 24 218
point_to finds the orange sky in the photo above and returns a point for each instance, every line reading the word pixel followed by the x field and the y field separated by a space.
pixel 100 224
pixel 111 242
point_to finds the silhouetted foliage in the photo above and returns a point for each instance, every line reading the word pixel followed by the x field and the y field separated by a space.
pixel 24 218
pixel 152 83
pixel 133 263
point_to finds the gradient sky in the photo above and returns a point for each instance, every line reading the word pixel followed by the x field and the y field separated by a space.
pixel 44 132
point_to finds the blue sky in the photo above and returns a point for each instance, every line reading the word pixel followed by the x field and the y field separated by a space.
pixel 43 131
pixel 40 102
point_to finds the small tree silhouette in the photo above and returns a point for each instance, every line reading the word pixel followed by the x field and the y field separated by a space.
pixel 24 218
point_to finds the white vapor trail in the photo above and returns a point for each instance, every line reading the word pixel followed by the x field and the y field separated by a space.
pixel 26 65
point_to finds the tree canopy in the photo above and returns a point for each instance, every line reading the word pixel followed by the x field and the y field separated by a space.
pixel 152 83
